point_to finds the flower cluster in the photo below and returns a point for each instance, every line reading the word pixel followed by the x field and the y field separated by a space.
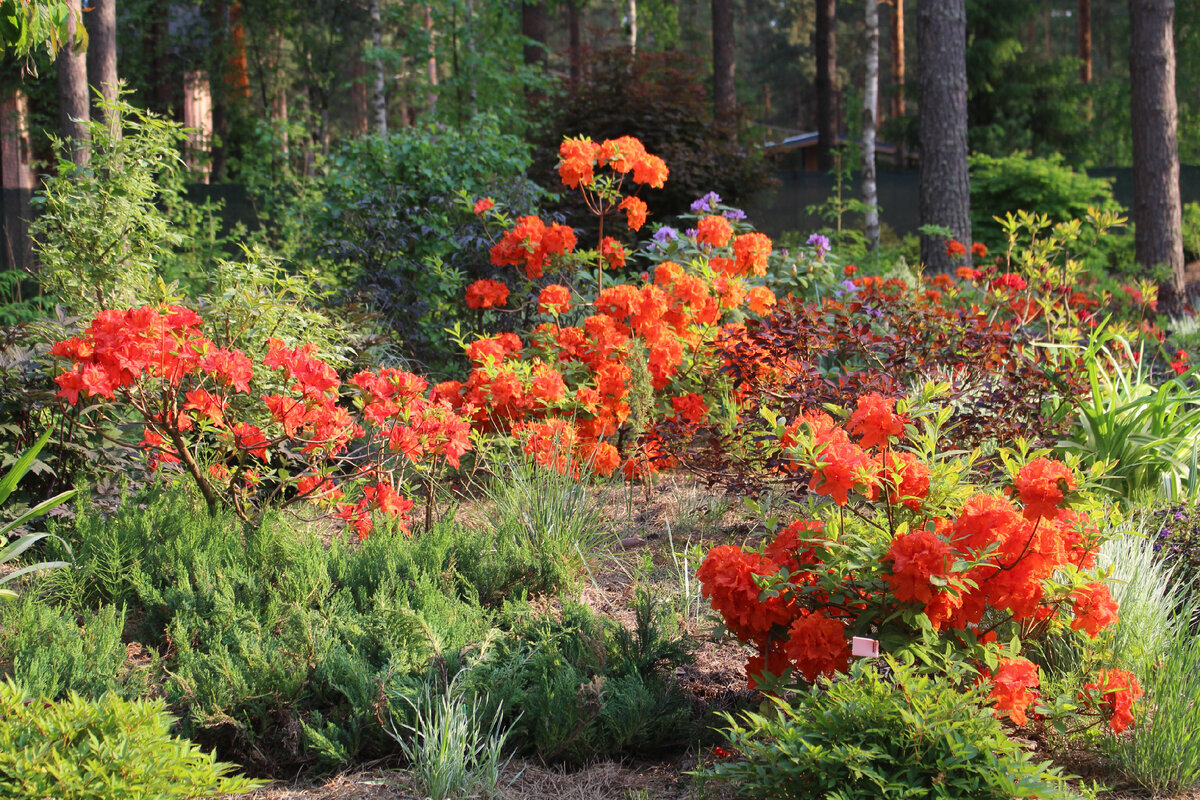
pixel 903 563
pixel 199 417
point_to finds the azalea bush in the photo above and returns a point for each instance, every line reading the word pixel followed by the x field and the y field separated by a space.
pixel 909 552
pixel 250 435
pixel 608 354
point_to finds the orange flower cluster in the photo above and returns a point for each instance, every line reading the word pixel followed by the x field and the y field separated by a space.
pixel 1011 688
pixel 579 158
pixel 189 395
pixel 486 294
pixel 1117 690
pixel 840 466
pixel 554 299
pixel 531 244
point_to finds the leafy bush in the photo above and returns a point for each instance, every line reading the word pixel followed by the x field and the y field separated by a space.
pixel 387 214
pixel 1020 182
pixel 875 734
pixel 582 686
pixel 107 231
pixel 107 749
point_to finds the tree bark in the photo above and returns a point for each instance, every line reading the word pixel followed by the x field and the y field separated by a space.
pixel 1158 239
pixel 16 156
pixel 1085 41
pixel 897 59
pixel 945 194
pixel 533 27
pixel 870 105
pixel 218 58
pixel 73 93
pixel 102 54
pixel 378 76
pixel 575 45
pixel 826 50
pixel 724 64
pixel 631 12
pixel 431 63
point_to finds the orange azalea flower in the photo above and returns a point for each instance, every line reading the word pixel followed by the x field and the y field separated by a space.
pixel 1011 684
pixel 554 299
pixel 613 252
pixel 484 204
pixel 576 160
pixel 750 252
pixel 1094 608
pixel 486 294
pixel 1117 689
pixel 714 230
pixel 635 212
pixel 761 300
pixel 817 645
pixel 1042 484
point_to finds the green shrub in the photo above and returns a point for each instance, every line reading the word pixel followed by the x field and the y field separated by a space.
pixel 51 651
pixel 1044 186
pixel 582 686
pixel 110 749
pixel 875 735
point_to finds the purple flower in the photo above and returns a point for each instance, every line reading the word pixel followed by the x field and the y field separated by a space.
pixel 707 203
pixel 735 214
pixel 663 235
pixel 691 233
pixel 821 244
pixel 845 287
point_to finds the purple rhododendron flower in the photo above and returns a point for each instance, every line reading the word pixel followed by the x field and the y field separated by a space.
pixel 735 214
pixel 707 203
pixel 821 243
pixel 663 235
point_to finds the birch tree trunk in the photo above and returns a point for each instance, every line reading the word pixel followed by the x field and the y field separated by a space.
pixel 870 104
pixel 378 77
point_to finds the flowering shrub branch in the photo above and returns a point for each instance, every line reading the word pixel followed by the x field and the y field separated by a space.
pixel 308 438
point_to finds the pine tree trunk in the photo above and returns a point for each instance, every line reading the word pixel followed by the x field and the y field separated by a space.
pixel 16 155
pixel 1158 238
pixel 378 76
pixel 898 88
pixel 1085 41
pixel 724 64
pixel 870 106
pixel 431 63
pixel 102 53
pixel 73 94
pixel 945 194
pixel 826 49
pixel 533 27
pixel 575 41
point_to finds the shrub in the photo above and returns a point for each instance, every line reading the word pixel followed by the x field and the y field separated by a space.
pixel 277 647
pixel 874 734
pixel 581 687
pixel 386 213
pixel 107 749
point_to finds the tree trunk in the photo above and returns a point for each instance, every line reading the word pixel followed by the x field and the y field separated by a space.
pixel 898 88
pixel 1085 41
pixel 1158 238
pixel 826 49
pixel 870 105
pixel 378 76
pixel 575 45
pixel 219 22
pixel 431 63
pixel 198 118
pixel 724 64
pixel 157 44
pixel 945 194
pixel 16 156
pixel 631 13
pixel 73 93
pixel 102 54
pixel 533 28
